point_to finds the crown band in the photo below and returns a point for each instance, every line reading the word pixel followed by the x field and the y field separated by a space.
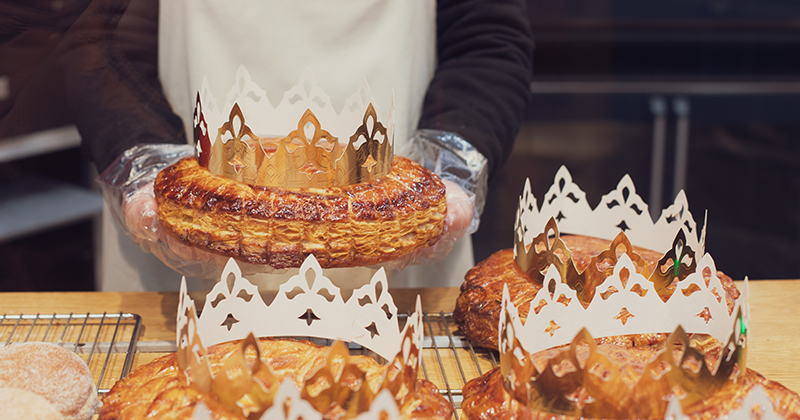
pixel 323 150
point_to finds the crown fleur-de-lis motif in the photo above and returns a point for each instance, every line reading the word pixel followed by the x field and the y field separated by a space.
pixel 236 157
pixel 300 160
pixel 366 149
pixel 191 353
pixel 548 250
pixel 310 154
pixel 674 266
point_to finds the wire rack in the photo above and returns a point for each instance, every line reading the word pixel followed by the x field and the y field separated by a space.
pixel 449 360
pixel 106 342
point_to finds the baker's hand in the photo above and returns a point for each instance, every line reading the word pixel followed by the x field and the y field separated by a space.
pixel 464 171
pixel 460 210
pixel 141 213
pixel 141 217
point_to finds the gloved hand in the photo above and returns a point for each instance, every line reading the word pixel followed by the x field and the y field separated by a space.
pixel 464 172
pixel 460 211
pixel 140 210
pixel 127 186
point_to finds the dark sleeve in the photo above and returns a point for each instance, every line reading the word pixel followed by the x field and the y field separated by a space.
pixel 110 74
pixel 482 81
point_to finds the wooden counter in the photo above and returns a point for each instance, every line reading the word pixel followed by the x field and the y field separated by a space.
pixel 774 340
pixel 158 309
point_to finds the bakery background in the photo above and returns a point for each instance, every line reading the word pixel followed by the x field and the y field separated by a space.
pixel 613 81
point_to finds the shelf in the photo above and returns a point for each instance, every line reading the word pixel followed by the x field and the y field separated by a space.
pixel 32 205
pixel 582 87
pixel 38 143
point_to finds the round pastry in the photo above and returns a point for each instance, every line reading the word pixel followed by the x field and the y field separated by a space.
pixel 159 389
pixel 19 404
pixel 477 311
pixel 49 370
pixel 356 225
pixel 486 397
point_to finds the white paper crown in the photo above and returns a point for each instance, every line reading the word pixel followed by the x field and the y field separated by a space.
pixel 267 119
pixel 624 302
pixel 619 210
pixel 627 303
pixel 301 142
pixel 307 305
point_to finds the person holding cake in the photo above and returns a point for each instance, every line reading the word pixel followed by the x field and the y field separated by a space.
pixel 458 72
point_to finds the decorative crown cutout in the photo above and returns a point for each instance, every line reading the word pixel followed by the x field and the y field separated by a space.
pixel 321 148
pixel 627 303
pixel 681 296
pixel 621 217
pixel 308 305
pixel 620 210
pixel 548 251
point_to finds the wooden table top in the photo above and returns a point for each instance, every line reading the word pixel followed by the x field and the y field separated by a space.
pixel 774 348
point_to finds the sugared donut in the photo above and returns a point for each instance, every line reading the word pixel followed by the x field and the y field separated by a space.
pixel 51 371
pixel 19 404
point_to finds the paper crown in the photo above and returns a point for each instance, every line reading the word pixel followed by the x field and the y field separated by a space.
pixel 682 296
pixel 621 216
pixel 307 305
pixel 301 143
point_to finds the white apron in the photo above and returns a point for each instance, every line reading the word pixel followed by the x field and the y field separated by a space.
pixel 390 42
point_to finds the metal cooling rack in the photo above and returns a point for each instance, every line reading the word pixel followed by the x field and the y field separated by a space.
pixel 106 342
pixel 449 360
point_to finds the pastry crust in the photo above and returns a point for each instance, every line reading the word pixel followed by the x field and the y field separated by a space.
pixel 159 390
pixel 477 311
pixel 357 225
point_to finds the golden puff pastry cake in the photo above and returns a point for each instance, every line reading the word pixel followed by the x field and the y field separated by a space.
pixel 356 225
pixel 159 390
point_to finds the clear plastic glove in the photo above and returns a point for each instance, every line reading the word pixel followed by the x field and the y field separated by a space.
pixel 140 210
pixel 464 172
pixel 127 186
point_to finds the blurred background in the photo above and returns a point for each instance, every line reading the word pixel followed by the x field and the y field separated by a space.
pixel 699 95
